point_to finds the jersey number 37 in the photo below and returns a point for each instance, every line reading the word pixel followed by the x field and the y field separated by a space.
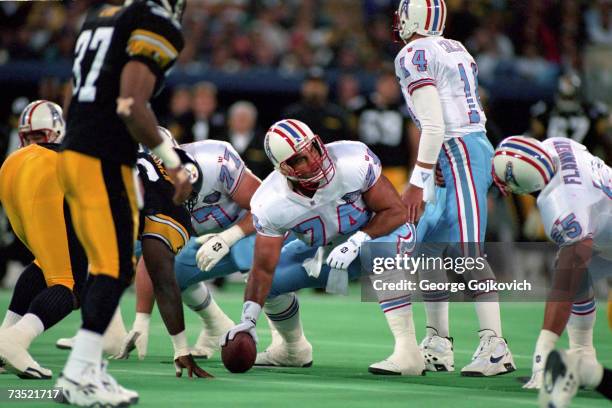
pixel 96 42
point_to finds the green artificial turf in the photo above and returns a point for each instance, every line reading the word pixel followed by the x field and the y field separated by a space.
pixel 347 336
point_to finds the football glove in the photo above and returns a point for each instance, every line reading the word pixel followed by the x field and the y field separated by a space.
pixel 216 246
pixel 250 313
pixel 342 255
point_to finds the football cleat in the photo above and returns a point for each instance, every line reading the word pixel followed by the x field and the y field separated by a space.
pixel 64 343
pixel 111 345
pixel 283 354
pixel 438 353
pixel 208 340
pixel 492 357
pixel 18 361
pixel 403 361
pixel 93 388
pixel 560 380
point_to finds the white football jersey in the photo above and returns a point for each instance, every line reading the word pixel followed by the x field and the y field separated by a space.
pixel 448 66
pixel 577 202
pixel 222 169
pixel 333 213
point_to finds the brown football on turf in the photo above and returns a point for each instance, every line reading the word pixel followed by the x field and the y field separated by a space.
pixel 238 355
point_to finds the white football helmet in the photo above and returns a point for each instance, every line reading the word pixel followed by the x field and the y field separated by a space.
pixel 41 118
pixel 425 17
pixel 521 165
pixel 290 137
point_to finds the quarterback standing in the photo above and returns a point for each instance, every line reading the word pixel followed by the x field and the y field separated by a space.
pixel 439 80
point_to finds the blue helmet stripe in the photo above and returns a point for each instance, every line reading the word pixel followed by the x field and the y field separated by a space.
pixel 533 154
pixel 292 132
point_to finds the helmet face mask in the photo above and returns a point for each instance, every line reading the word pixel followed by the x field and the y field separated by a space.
pixel 298 154
pixel 311 167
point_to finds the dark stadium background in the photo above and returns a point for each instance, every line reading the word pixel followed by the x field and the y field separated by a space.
pixel 260 51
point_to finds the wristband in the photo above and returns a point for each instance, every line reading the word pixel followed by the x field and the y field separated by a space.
pixel 232 235
pixel 165 152
pixel 181 347
pixel 421 176
pixel 359 238
pixel 141 323
pixel 250 311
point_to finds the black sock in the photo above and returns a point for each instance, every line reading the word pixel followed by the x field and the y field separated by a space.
pixel 53 304
pixel 30 283
pixel 101 298
pixel 605 386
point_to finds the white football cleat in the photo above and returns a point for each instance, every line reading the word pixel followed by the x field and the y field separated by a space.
pixel 438 353
pixel 561 380
pixel 18 361
pixel 404 361
pixel 109 381
pixel 93 388
pixel 65 343
pixel 208 340
pixel 492 357
pixel 297 354
pixel 111 344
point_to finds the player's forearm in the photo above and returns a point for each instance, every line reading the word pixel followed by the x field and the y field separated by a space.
pixel 246 224
pixel 385 222
pixel 428 109
pixel 258 285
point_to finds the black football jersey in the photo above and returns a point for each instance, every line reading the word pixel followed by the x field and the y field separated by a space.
pixel 112 36
pixel 384 130
pixel 577 123
pixel 158 192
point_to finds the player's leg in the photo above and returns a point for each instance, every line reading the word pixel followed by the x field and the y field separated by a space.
pixel 289 347
pixel 433 235
pixel 565 372
pixel 467 174
pixel 198 297
pixel 51 237
pixel 102 200
pixel 406 358
pixel 30 283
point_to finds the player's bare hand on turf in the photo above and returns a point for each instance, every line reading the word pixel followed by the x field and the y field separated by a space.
pixel 187 362
pixel 247 326
pixel 182 185
pixel 413 200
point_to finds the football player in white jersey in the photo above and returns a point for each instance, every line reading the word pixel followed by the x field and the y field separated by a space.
pixel 225 240
pixel 575 203
pixel 334 199
pixel 439 80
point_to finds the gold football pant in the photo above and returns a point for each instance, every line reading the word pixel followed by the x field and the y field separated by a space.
pixel 102 199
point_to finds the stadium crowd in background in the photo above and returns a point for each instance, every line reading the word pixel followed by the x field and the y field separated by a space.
pixel 531 40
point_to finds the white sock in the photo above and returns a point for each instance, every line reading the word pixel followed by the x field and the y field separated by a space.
pixel 284 314
pixel 545 344
pixel 437 318
pixel 179 342
pixel 86 350
pixel 489 316
pixel 10 318
pixel 141 322
pixel 199 299
pixel 401 324
pixel 27 329
pixel 580 326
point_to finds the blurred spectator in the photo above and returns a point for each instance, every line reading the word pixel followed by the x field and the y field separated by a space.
pixel 179 112
pixel 326 119
pixel 571 117
pixel 348 93
pixel 491 46
pixel 204 121
pixel 384 126
pixel 247 139
pixel 598 21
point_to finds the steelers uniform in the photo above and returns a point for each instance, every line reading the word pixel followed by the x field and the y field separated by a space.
pixel 96 166
pixel 160 218
pixel 35 206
